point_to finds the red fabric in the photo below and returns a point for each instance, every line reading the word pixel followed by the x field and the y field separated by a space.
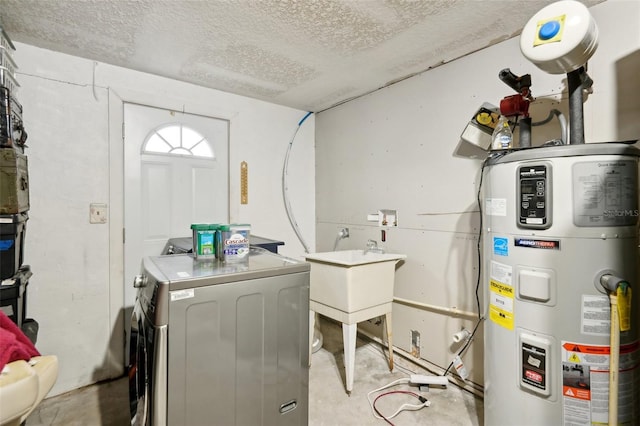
pixel 14 345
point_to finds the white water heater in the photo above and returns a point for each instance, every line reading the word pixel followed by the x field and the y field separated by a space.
pixel 555 221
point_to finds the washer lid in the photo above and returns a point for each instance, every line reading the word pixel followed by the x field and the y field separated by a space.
pixel 183 271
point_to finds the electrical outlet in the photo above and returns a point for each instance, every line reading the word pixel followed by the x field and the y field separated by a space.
pixel 97 213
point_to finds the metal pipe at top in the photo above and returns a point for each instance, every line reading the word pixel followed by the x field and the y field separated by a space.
pixel 576 114
pixel 525 132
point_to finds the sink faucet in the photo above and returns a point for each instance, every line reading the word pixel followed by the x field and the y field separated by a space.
pixel 343 233
pixel 372 247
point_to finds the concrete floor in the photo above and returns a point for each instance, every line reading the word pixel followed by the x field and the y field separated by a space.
pixel 329 405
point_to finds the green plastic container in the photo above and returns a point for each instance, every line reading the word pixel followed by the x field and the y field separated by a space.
pixel 204 240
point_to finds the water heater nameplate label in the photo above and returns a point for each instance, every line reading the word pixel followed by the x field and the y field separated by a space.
pixel 605 193
pixel 534 189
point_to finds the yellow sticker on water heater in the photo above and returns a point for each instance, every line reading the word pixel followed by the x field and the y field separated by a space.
pixel 501 304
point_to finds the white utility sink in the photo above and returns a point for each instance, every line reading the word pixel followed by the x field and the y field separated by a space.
pixel 352 280
pixel 352 286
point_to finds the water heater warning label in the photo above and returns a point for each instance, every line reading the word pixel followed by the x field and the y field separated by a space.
pixel 585 382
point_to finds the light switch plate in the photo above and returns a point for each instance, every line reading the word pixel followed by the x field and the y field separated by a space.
pixel 97 213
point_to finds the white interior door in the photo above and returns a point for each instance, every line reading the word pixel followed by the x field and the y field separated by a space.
pixel 172 179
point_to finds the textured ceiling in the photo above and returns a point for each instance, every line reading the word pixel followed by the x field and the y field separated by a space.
pixel 307 54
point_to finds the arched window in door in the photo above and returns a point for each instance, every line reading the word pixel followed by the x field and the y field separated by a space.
pixel 177 139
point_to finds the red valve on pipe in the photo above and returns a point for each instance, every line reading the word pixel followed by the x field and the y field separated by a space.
pixel 514 105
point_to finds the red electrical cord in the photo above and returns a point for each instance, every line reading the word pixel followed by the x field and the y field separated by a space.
pixel 421 398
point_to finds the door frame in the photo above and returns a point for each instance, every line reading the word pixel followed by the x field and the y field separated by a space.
pixel 119 317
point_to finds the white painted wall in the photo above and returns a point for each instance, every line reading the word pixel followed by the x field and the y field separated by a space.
pixel 394 149
pixel 73 115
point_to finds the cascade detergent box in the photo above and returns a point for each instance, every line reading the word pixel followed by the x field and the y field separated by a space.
pixel 204 240
pixel 233 242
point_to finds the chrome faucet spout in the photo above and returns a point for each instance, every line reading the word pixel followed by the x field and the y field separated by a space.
pixel 343 233
pixel 372 247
